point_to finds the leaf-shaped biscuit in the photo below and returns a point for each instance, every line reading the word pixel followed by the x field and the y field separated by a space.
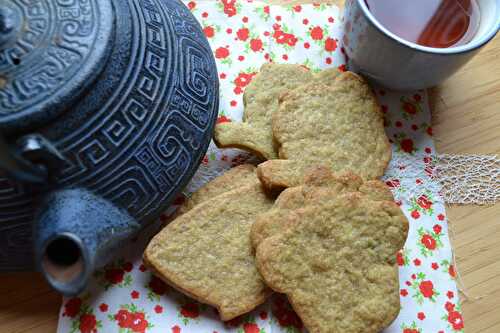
pixel 206 252
pixel 261 96
pixel 335 260
pixel 232 179
pixel 338 125
pixel 320 183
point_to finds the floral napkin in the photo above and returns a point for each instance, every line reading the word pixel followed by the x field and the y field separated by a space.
pixel 125 297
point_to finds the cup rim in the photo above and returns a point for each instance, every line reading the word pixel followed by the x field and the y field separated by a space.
pixel 444 51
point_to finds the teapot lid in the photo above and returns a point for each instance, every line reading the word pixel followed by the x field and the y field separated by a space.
pixel 51 52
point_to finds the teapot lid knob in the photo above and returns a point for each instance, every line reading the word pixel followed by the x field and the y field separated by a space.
pixel 9 25
pixel 51 52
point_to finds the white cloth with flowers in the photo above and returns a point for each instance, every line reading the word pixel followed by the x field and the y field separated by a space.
pixel 125 297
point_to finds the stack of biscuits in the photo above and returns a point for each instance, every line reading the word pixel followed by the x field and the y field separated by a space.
pixel 312 221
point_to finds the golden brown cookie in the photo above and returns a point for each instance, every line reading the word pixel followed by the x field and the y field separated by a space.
pixel 206 252
pixel 269 223
pixel 327 76
pixel 319 184
pixel 254 133
pixel 277 175
pixel 323 177
pixel 335 260
pixel 232 179
pixel 339 125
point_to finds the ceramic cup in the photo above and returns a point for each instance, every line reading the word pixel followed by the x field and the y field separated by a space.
pixel 395 63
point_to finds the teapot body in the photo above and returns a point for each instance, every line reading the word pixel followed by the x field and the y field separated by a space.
pixel 140 125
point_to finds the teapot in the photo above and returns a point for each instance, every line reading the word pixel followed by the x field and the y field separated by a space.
pixel 107 108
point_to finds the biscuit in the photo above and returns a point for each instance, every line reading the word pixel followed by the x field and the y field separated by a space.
pixel 319 184
pixel 327 76
pixel 269 223
pixel 277 175
pixel 232 179
pixel 339 125
pixel 322 176
pixel 206 252
pixel 254 133
pixel 336 262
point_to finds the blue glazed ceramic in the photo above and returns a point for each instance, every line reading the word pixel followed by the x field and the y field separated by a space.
pixel 106 110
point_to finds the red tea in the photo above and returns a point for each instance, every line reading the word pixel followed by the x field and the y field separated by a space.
pixel 433 23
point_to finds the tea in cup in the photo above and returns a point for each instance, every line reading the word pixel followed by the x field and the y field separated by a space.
pixel 408 44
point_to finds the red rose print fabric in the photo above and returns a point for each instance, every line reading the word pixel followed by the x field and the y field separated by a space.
pixel 125 297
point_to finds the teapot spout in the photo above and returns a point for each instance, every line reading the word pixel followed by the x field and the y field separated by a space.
pixel 77 232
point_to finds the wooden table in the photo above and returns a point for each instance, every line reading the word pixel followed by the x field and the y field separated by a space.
pixel 466 119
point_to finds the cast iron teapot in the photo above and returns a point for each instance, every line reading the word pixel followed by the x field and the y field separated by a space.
pixel 106 110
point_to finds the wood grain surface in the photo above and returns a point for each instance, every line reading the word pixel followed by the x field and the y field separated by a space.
pixel 466 119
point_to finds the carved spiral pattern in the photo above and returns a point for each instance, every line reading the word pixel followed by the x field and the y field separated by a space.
pixel 57 41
